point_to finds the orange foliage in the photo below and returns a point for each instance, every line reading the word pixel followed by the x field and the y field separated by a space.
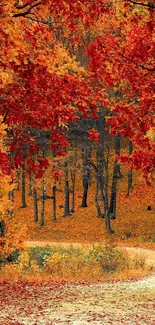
pixel 14 235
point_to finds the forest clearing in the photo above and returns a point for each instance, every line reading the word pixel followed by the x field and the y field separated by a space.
pixel 77 162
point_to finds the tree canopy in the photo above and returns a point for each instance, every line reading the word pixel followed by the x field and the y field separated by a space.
pixel 65 59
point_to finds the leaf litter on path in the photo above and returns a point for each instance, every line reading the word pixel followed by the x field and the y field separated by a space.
pixel 122 302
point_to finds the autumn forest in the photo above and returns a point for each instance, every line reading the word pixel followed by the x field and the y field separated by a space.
pixel 77 158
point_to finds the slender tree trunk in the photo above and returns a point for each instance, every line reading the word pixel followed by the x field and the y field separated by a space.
pixel 35 203
pixel 42 222
pixel 23 187
pixel 117 144
pixel 73 190
pixel 2 228
pixel 104 195
pixel 116 174
pixel 107 222
pixel 18 179
pixel 86 171
pixel 85 193
pixel 130 171
pixel 104 198
pixel 99 214
pixel 30 184
pixel 112 208
pixel 11 196
pixel 54 189
pixel 89 155
pixel 67 192
pixel 100 157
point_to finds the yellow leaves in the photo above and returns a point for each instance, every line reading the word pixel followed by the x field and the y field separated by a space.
pixel 6 78
pixel 57 60
pixel 2 135
pixel 24 259
pixel 4 180
pixel 62 63
pixel 22 39
pixel 151 134
pixel 2 132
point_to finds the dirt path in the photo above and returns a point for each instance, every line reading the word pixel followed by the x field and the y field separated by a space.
pixel 120 303
pixel 116 303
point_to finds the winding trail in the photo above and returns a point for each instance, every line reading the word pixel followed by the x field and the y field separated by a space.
pixel 116 303
pixel 147 254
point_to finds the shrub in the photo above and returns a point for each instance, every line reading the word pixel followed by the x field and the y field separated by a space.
pixel 110 259
pixel 39 254
pixel 9 258
pixel 73 263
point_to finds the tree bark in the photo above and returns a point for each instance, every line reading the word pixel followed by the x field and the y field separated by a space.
pixel 99 214
pixel 117 144
pixel 112 208
pixel 85 193
pixel 73 190
pixel 35 203
pixel 130 171
pixel 30 184
pixel 18 179
pixel 67 192
pixel 54 189
pixel 23 187
pixel 42 222
pixel 2 228
pixel 104 195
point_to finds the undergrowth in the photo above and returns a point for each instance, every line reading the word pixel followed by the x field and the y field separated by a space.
pixel 99 262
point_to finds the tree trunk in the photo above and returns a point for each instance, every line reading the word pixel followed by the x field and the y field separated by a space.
pixel 11 196
pixel 73 190
pixel 99 214
pixel 104 195
pixel 112 208
pixel 67 208
pixel 23 187
pixel 35 205
pixel 85 193
pixel 42 222
pixel 18 179
pixel 130 171
pixel 30 184
pixel 2 228
pixel 54 202
pixel 117 144
pixel 107 223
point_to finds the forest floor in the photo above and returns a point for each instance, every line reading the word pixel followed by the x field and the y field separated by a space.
pixel 50 303
pixel 42 302
pixel 134 224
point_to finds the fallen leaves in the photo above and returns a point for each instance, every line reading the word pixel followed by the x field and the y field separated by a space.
pixel 50 303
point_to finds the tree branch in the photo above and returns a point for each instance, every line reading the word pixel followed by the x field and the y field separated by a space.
pixel 16 5
pixel 138 65
pixel 27 12
pixel 5 116
pixel 148 5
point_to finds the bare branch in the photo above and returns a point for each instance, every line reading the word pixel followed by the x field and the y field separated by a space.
pixel 5 116
pixel 16 5
pixel 148 5
pixel 28 11
pixel 138 65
